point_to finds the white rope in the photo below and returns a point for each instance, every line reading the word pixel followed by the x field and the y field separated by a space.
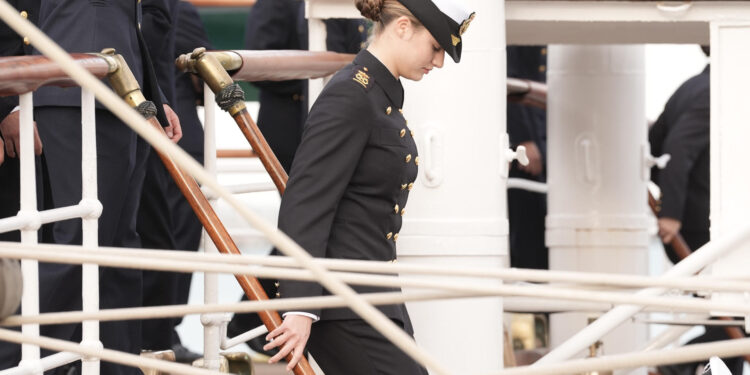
pixel 694 283
pixel 104 354
pixel 694 263
pixel 159 141
pixel 668 303
pixel 228 343
pixel 688 353
pixel 158 312
pixel 47 363
pixel 665 338
pixel 537 291
pixel 528 185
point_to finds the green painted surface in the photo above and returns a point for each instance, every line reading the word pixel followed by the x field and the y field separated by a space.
pixel 226 30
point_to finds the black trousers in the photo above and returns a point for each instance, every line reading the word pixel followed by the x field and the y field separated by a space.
pixel 526 214
pixel 345 347
pixel 120 163
pixel 10 195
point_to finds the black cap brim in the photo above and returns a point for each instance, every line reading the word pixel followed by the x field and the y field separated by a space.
pixel 444 29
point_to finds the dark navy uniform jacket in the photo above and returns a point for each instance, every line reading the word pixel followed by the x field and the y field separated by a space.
pixel 89 26
pixel 527 123
pixel 683 131
pixel 189 35
pixel 351 178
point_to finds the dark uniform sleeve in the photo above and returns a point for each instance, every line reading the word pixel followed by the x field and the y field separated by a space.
pixel 159 34
pixel 689 137
pixel 345 35
pixel 335 136
pixel 523 62
pixel 272 24
pixel 11 44
pixel 518 120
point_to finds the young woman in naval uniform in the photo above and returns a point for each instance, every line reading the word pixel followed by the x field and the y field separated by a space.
pixel 351 177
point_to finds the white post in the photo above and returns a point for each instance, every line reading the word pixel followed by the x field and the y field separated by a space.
pixel 316 42
pixel 30 354
pixel 730 182
pixel 212 321
pixel 90 226
pixel 597 209
pixel 456 214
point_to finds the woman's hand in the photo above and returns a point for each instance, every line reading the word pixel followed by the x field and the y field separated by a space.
pixel 174 130
pixel 10 133
pixel 290 337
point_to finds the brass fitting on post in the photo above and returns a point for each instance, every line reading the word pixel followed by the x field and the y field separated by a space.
pixel 209 67
pixel 122 80
pixel 107 55
pixel 230 60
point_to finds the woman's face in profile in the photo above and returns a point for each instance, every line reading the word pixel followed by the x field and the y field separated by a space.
pixel 421 54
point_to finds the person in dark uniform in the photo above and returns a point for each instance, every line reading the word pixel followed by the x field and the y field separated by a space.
pixel 11 44
pixel 527 126
pixel 351 177
pixel 281 24
pixel 683 131
pixel 90 27
pixel 165 218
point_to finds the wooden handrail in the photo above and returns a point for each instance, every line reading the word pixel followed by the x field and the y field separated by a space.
pixel 229 154
pixel 284 65
pixel 526 92
pixel 22 74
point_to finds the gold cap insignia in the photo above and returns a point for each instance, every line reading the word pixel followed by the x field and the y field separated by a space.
pixel 455 40
pixel 465 24
pixel 362 78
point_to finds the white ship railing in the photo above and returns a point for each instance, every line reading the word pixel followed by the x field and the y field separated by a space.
pixel 213 314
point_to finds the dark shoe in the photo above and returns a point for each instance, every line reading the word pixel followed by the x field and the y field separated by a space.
pixel 184 355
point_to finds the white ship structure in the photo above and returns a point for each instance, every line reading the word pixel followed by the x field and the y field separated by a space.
pixel 453 250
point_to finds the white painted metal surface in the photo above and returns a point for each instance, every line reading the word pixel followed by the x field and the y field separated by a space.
pixel 317 42
pixel 613 22
pixel 730 180
pixel 30 354
pixel 90 225
pixel 212 322
pixel 438 176
pixel 29 220
pixel 456 213
pixel 597 217
pixel 47 363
